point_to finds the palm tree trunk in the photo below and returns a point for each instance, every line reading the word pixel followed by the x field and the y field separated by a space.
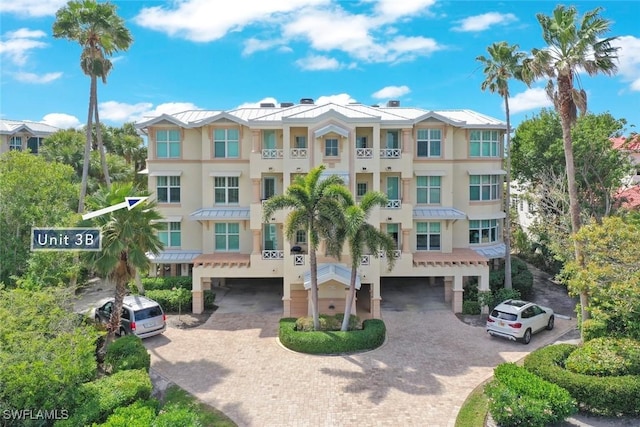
pixel 103 158
pixel 566 119
pixel 507 219
pixel 87 151
pixel 314 287
pixel 350 297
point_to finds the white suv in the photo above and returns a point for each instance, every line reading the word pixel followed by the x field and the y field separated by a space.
pixel 518 320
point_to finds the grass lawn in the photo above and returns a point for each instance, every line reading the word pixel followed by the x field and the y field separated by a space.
pixel 474 410
pixel 207 415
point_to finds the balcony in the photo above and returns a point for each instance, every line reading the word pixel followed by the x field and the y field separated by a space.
pixel 273 254
pixel 297 153
pixel 272 153
pixel 394 204
pixel 390 153
pixel 396 254
pixel 364 153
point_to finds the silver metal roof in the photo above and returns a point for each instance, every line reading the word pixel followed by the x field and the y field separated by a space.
pixel 438 213
pixel 493 251
pixel 11 127
pixel 174 256
pixel 332 271
pixel 221 213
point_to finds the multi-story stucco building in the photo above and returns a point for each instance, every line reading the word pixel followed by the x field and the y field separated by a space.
pixel 23 135
pixel 442 171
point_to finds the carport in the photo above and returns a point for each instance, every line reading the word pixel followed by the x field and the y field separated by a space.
pixel 248 295
pixel 413 294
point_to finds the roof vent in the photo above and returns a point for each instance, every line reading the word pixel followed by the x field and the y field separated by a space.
pixel 286 104
pixel 306 101
pixel 393 103
pixel 267 105
pixel 375 105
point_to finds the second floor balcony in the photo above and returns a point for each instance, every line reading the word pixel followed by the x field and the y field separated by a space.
pixel 390 153
pixel 272 153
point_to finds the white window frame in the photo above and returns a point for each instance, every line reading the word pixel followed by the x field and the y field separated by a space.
pixel 169 143
pixel 430 232
pixel 361 186
pixel 329 145
pixel 227 235
pixel 487 231
pixel 15 143
pixel 430 140
pixel 170 183
pixel 487 145
pixel 301 237
pixel 428 189
pixel 227 185
pixel 172 228
pixel 490 183
pixel 228 142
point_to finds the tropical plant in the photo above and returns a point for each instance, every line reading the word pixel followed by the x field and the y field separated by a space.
pixel 571 46
pixel 504 63
pixel 316 208
pixel 363 237
pixel 127 237
pixel 101 33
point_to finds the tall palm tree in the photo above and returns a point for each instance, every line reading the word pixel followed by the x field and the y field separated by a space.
pixel 127 237
pixel 504 63
pixel 363 237
pixel 101 33
pixel 316 207
pixel 571 46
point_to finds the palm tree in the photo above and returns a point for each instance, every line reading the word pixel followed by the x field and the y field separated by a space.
pixel 316 208
pixel 364 237
pixel 571 46
pixel 504 63
pixel 100 32
pixel 127 237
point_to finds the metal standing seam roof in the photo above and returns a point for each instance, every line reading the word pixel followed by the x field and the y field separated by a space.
pixel 221 213
pixel 332 271
pixel 174 256
pixel 493 251
pixel 10 127
pixel 438 213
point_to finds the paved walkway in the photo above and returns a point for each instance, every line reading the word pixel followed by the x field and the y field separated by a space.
pixel 421 376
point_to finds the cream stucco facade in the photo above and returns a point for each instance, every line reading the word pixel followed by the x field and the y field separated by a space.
pixel 441 170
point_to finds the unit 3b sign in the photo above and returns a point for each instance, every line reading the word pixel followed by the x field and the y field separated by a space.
pixel 66 239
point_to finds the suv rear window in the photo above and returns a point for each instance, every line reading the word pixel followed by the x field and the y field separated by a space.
pixel 504 316
pixel 148 313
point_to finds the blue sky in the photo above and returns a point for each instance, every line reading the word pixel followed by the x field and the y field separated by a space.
pixel 210 54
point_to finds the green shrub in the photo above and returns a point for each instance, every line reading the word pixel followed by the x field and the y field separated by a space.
pixel 593 328
pixel 209 299
pixel 611 396
pixel 371 336
pixel 470 307
pixel 327 322
pixel 99 398
pixel 606 357
pixel 141 413
pixel 521 278
pixel 171 300
pixel 127 352
pixel 166 283
pixel 177 415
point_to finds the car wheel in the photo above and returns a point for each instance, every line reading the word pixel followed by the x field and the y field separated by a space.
pixel 97 319
pixel 526 339
pixel 123 332
pixel 550 323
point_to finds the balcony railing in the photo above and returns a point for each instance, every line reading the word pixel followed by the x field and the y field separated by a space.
pixel 273 254
pixel 394 204
pixel 390 153
pixel 298 260
pixel 364 153
pixel 365 260
pixel 272 153
pixel 298 153
pixel 396 254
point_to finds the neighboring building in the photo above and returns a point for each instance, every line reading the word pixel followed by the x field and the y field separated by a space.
pixel 631 146
pixel 442 171
pixel 23 135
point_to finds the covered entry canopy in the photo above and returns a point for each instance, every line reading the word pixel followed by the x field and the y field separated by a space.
pixel 332 271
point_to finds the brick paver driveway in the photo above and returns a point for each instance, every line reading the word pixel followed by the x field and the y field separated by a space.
pixel 421 376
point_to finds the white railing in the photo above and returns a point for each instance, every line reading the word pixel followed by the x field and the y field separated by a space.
pixel 272 254
pixel 272 153
pixel 364 153
pixel 298 260
pixel 396 254
pixel 298 153
pixel 390 153
pixel 394 204
pixel 365 260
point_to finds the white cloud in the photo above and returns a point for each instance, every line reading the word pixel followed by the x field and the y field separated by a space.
pixel 253 45
pixel 530 99
pixel 206 20
pixel 37 78
pixel 266 100
pixel 31 8
pixel 393 9
pixel 318 62
pixel 485 21
pixel 17 44
pixel 391 92
pixel 62 121
pixel 340 99
pixel 629 60
pixel 120 112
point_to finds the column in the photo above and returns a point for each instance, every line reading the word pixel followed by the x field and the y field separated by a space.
pixel 405 241
pixel 406 191
pixel 255 141
pixel 483 286
pixel 255 185
pixel 286 296
pixel 448 289
pixel 256 242
pixel 197 304
pixel 407 141
pixel 457 294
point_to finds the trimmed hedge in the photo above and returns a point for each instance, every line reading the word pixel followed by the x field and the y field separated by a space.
pixel 371 336
pixel 171 300
pixel 327 322
pixel 606 357
pixel 141 413
pixel 166 283
pixel 127 352
pixel 518 397
pixel 177 415
pixel 610 396
pixel 99 398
